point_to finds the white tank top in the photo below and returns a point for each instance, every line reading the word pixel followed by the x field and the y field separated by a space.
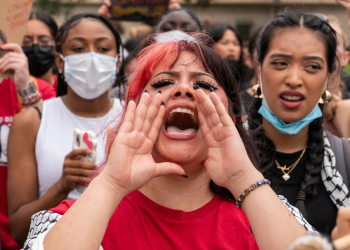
pixel 55 139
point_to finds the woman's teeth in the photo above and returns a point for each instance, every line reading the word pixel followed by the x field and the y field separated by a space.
pixel 182 110
pixel 181 121
pixel 291 98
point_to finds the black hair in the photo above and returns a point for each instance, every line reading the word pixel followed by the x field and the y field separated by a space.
pixel 63 33
pixel 266 148
pixel 252 41
pixel 292 19
pixel 47 19
pixel 238 68
pixel 190 13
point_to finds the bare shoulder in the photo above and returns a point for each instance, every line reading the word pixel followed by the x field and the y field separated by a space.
pixel 27 121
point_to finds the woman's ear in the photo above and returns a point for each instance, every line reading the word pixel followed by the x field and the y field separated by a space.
pixel 59 62
pixel 233 119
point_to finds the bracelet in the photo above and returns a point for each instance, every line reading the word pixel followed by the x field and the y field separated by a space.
pixel 248 190
pixel 31 89
pixel 33 100
pixel 29 97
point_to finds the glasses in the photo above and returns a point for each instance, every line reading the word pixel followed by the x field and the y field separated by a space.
pixel 42 41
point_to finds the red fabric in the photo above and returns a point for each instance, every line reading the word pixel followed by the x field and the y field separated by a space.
pixel 55 84
pixel 46 89
pixel 139 223
pixel 9 107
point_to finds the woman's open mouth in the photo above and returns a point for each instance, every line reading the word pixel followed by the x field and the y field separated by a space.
pixel 292 99
pixel 181 123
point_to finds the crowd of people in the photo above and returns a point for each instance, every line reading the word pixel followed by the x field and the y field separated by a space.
pixel 196 138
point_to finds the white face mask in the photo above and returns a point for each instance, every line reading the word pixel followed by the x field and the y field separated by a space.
pixel 90 74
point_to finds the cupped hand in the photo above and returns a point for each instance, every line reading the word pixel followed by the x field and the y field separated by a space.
pixel 16 61
pixel 130 164
pixel 76 170
pixel 227 159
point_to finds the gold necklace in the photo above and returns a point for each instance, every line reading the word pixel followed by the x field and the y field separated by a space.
pixel 286 176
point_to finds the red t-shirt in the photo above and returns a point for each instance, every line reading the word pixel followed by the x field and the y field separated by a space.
pixel 46 89
pixel 9 107
pixel 55 84
pixel 140 223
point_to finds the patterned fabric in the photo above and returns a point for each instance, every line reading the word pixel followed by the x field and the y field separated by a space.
pixel 332 180
pixel 41 223
pixel 298 215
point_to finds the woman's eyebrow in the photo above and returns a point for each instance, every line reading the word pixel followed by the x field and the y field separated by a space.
pixel 304 57
pixel 280 55
pixel 201 74
pixel 77 38
pixel 103 38
pixel 313 58
pixel 174 73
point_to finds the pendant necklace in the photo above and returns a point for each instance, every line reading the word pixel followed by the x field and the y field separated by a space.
pixel 286 175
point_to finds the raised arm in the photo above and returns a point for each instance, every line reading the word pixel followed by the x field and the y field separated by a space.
pixel 228 166
pixel 129 166
pixel 16 62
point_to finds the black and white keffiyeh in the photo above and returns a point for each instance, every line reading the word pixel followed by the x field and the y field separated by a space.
pixel 332 180
pixel 40 225
pixel 299 216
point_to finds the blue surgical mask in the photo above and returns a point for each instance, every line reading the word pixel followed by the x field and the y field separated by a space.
pixel 292 128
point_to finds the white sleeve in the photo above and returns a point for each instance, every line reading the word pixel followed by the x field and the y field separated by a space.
pixel 40 225
pixel 299 216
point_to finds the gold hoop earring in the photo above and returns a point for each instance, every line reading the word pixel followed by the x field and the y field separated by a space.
pixel 326 97
pixel 257 92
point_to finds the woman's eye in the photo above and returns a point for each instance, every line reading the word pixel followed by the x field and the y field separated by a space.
pixel 280 64
pixel 166 28
pixel 78 49
pixel 162 83
pixel 205 86
pixel 103 49
pixel 313 67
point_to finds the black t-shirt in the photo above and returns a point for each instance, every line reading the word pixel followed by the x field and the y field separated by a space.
pixel 320 209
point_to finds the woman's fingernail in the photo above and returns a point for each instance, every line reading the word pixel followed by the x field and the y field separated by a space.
pixel 195 87
pixel 163 103
pixel 159 91
pixel 131 99
pixel 146 91
pixel 212 89
pixel 183 175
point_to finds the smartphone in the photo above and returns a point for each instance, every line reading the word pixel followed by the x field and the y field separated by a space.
pixel 85 139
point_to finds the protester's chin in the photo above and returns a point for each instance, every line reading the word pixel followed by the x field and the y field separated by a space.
pixel 180 152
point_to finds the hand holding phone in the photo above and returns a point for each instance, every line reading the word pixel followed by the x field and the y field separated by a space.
pixel 85 139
